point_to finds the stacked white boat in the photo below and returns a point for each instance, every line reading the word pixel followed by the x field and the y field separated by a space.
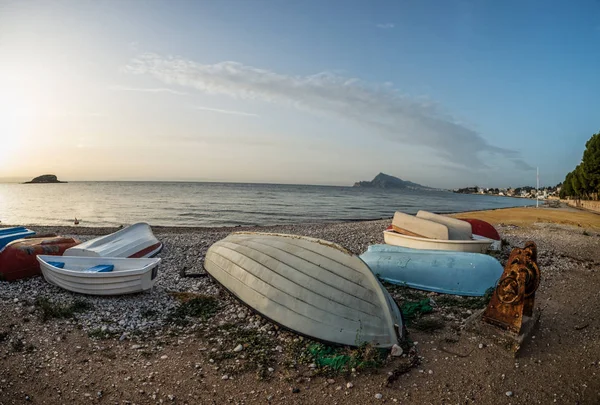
pixel 435 232
pixel 119 263
pixel 437 253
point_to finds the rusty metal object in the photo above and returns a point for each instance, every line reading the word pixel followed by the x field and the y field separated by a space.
pixel 514 297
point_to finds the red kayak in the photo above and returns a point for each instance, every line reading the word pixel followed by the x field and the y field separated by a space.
pixel 18 258
pixel 482 228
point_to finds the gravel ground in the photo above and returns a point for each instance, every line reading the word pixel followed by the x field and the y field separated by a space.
pixel 139 349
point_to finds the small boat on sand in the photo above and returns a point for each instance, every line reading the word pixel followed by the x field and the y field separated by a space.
pixel 7 235
pixel 100 275
pixel 134 241
pixel 458 273
pixel 17 259
pixel 312 287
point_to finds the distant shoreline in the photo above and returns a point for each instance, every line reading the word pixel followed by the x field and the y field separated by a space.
pixel 101 230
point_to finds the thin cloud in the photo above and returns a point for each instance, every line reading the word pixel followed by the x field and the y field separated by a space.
pixel 386 26
pixel 231 112
pixel 380 109
pixel 148 90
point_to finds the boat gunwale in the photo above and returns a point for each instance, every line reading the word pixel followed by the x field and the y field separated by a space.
pixel 112 274
pixel 445 241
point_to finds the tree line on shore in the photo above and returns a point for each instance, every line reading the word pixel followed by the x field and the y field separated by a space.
pixel 584 181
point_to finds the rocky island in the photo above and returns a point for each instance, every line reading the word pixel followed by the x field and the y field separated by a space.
pixel 45 179
pixel 383 180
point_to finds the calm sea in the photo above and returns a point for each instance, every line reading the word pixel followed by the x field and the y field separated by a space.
pixel 219 204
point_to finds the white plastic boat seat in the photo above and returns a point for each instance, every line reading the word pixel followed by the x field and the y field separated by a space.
pixel 457 229
pixel 101 268
pixel 419 226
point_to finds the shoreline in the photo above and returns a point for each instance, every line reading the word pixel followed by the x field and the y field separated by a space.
pixel 191 228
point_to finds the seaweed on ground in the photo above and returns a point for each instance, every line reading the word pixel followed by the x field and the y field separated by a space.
pixel 200 306
pixel 344 359
pixel 465 302
pixel 49 309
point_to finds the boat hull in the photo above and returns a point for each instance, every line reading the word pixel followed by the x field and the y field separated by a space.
pixel 8 235
pixel 135 241
pixel 18 259
pixel 448 272
pixel 312 287
pixel 128 277
pixel 473 246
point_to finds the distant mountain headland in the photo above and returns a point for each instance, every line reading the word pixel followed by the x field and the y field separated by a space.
pixel 383 180
pixel 44 179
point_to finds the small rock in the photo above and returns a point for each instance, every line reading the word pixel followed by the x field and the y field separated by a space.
pixel 164 357
pixel 135 347
pixel 225 377
pixel 509 393
pixel 295 390
pixel 338 388
pixel 378 396
pixel 481 346
pixel 396 351
pixel 171 397
pixel 430 372
pixel 238 348
pixel 270 369
pixel 279 349
pixel 331 381
pixel 312 365
pixel 349 385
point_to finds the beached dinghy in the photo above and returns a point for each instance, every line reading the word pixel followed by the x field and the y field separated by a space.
pixel 7 235
pixel 457 273
pixel 133 241
pixel 312 287
pixel 17 259
pixel 392 237
pixel 100 275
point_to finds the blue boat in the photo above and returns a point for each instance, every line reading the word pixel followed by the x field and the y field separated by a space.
pixel 448 272
pixel 7 235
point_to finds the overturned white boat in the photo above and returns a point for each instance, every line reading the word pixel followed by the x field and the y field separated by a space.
pixel 134 241
pixel 310 286
pixel 99 275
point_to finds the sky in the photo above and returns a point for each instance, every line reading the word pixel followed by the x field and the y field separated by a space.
pixel 443 93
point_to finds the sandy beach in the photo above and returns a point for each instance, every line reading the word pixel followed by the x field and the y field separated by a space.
pixel 145 349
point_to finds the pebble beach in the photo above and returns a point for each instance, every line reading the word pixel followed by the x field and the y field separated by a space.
pixel 144 349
